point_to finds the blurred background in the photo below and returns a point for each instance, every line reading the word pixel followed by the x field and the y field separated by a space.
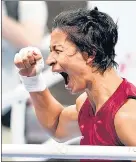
pixel 28 23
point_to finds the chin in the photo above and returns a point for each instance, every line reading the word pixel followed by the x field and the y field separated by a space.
pixel 77 90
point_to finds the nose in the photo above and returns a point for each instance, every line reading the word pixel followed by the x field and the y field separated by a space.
pixel 50 60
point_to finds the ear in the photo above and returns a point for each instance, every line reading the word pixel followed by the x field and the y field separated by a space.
pixel 90 59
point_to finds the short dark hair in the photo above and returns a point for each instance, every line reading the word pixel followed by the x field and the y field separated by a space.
pixel 91 30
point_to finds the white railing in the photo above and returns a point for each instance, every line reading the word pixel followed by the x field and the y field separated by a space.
pixel 16 99
pixel 63 151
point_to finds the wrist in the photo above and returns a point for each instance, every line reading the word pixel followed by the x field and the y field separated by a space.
pixel 34 83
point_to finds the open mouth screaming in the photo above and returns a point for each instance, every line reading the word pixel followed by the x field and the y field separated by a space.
pixel 66 77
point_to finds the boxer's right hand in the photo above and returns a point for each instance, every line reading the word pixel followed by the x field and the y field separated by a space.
pixel 29 61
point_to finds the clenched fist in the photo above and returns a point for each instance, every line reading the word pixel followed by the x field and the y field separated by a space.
pixel 29 61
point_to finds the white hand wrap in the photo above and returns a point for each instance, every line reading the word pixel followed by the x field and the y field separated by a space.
pixel 35 83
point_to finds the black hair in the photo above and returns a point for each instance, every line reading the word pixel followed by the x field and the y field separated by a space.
pixel 93 32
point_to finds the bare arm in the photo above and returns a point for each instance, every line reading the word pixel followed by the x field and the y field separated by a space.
pixel 47 109
pixel 17 34
pixel 61 122
pixel 68 124
pixel 68 121
pixel 125 123
pixel 29 31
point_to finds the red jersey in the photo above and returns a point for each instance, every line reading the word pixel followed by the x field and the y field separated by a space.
pixel 99 129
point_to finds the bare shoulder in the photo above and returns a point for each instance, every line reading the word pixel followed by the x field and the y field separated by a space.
pixel 80 100
pixel 128 109
pixel 71 112
pixel 125 123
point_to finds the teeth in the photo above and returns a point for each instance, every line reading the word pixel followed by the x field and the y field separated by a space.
pixel 66 86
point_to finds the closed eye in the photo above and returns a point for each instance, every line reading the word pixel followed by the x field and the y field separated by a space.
pixel 58 51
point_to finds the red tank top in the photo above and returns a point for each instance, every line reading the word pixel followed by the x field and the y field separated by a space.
pixel 99 129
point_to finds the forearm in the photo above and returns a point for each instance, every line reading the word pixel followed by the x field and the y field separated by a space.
pixel 47 109
pixel 18 34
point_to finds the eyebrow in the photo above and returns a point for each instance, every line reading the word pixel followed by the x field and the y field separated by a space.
pixel 54 46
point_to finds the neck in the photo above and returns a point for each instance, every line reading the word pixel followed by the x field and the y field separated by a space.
pixel 102 87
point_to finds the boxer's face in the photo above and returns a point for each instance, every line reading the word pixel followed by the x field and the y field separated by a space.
pixel 67 60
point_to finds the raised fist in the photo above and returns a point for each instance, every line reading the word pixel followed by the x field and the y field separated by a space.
pixel 29 61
